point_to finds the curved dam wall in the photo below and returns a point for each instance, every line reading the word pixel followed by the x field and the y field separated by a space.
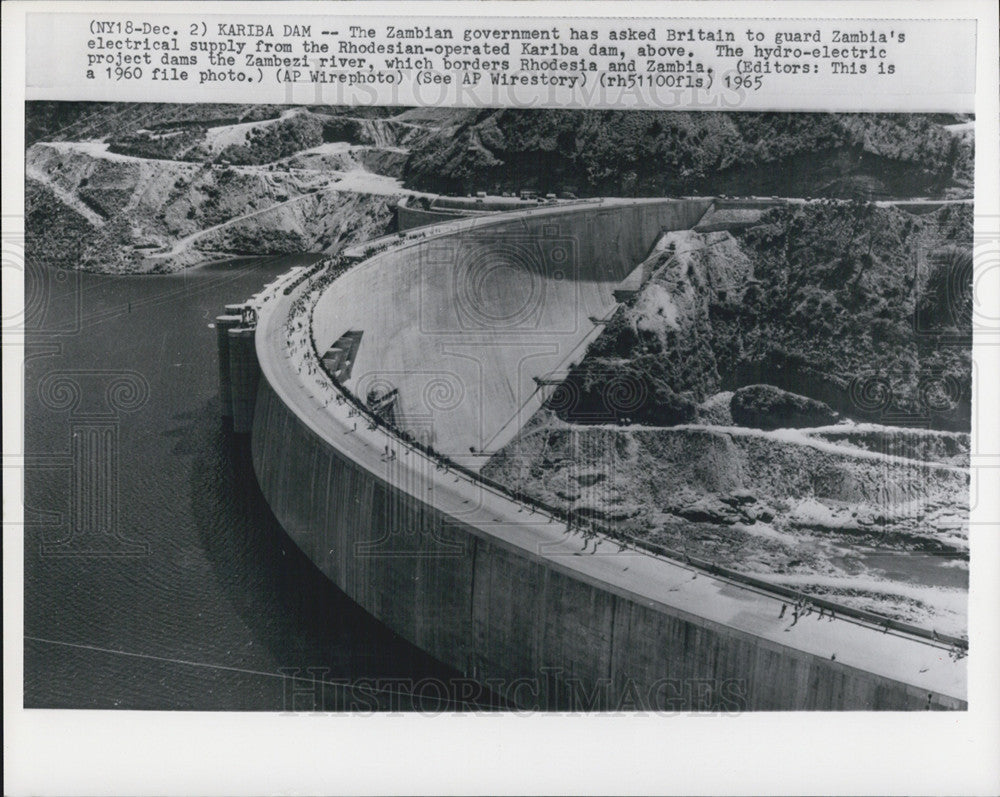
pixel 474 328
pixel 534 627
pixel 507 596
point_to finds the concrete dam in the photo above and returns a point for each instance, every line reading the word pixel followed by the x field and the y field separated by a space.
pixel 456 334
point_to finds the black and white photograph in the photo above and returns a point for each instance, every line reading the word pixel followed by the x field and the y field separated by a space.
pixel 506 409
pixel 590 407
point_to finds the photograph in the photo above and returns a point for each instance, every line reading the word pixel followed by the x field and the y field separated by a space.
pixel 500 398
pixel 334 408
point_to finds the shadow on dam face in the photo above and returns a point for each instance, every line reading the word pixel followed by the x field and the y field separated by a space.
pixel 330 654
pixel 469 328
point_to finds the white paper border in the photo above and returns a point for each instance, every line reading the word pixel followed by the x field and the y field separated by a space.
pixel 89 752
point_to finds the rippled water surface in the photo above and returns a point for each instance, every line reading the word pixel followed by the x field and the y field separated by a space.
pixel 201 601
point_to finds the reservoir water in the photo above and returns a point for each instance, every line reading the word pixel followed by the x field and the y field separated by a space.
pixel 200 601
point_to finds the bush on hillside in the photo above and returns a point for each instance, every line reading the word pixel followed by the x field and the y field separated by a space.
pixel 768 407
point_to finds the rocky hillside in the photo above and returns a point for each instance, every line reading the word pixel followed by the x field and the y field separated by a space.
pixel 136 188
pixel 650 153
pixel 123 214
pixel 865 308
pixel 135 181
pixel 870 516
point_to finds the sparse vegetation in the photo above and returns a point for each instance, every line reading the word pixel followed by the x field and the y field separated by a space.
pixel 159 146
pixel 105 201
pixel 276 141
